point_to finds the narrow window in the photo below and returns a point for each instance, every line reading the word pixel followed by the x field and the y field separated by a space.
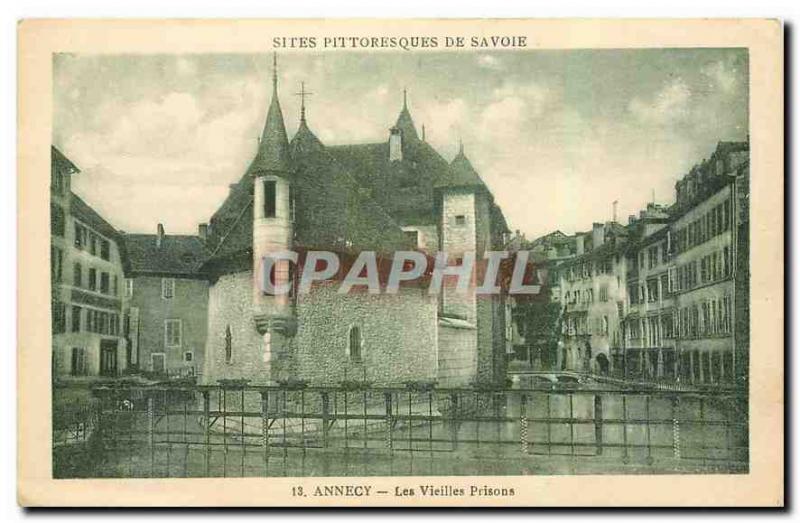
pixel 228 344
pixel 188 356
pixel 77 277
pixel 356 343
pixel 129 287
pixel 167 288
pixel 57 220
pixel 104 285
pixel 105 249
pixel 92 279
pixel 172 333
pixel 413 238
pixel 76 318
pixel 79 230
pixel 269 198
pixel 461 219
pixel 78 367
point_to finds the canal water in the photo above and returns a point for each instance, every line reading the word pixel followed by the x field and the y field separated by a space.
pixel 563 427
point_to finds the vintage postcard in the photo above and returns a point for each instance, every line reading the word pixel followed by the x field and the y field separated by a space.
pixel 401 263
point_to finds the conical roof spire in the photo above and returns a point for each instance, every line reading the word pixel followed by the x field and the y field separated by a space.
pixel 273 149
pixel 461 172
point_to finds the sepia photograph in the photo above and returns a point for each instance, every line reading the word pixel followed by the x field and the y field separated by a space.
pixel 401 255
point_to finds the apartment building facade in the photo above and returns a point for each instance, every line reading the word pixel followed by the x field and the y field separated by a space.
pixel 87 274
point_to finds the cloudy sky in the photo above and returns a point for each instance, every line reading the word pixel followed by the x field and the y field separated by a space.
pixel 557 135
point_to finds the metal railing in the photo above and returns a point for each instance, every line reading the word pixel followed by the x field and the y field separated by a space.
pixel 245 430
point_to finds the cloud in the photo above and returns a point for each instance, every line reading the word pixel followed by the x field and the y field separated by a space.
pixel 722 76
pixel 489 61
pixel 669 105
pixel 185 67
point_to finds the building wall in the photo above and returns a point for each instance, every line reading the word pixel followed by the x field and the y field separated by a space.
pixel 189 304
pixel 399 336
pixel 707 336
pixel 427 237
pixel 458 364
pixel 76 301
pixel 592 295
pixel 230 307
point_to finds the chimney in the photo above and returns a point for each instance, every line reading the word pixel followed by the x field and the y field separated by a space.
pixel 598 235
pixel 202 231
pixel 395 144
pixel 579 244
pixel 159 235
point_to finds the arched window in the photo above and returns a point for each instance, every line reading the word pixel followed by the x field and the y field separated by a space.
pixel 228 344
pixel 356 343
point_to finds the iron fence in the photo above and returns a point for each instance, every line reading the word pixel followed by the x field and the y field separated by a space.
pixel 241 430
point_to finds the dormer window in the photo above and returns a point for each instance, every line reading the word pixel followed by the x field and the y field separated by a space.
pixel 270 194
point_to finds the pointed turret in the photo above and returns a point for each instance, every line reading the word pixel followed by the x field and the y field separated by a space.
pixel 273 148
pixel 462 173
pixel 404 121
pixel 304 141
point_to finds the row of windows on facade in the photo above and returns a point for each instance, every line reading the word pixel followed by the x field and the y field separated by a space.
pixel 711 224
pixel 654 254
pixel 95 280
pixel 651 291
pixel 355 344
pixel 588 269
pixel 586 296
pixel 85 320
pixel 167 288
pixel 85 238
pixel 579 326
pixel 710 318
pixel 713 267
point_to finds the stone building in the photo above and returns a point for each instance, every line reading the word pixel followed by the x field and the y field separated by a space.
pixel 668 297
pixel 592 288
pixel 649 334
pixel 86 261
pixel 708 238
pixel 395 195
pixel 167 302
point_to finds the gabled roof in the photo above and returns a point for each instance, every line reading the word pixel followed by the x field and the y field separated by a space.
pixel 178 255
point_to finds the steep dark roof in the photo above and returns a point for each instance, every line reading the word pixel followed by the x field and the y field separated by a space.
pixel 273 149
pixel 178 255
pixel 83 212
pixel 405 189
pixel 61 163
pixel 406 124
pixel 462 173
pixel 333 211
